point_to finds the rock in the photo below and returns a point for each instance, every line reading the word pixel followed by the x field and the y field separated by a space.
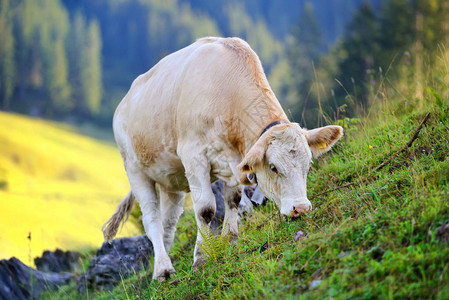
pixel 317 274
pixel 251 196
pixel 343 254
pixel 18 281
pixel 442 233
pixel 249 191
pixel 245 206
pixel 58 261
pixel 119 259
pixel 217 189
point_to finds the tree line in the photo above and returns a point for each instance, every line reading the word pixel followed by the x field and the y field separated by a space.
pixel 394 45
pixel 65 58
pixel 48 58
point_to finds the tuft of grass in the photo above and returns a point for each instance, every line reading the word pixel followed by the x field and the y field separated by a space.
pixel 213 246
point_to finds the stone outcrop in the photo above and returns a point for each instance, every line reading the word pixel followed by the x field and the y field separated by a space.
pixel 119 259
pixel 18 281
pixel 58 261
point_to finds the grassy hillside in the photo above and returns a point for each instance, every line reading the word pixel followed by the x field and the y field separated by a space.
pixel 375 238
pixel 57 184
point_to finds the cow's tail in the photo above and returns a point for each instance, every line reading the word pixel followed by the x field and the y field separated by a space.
pixel 110 228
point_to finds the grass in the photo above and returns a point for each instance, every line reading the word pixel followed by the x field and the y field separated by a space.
pixel 375 239
pixel 57 184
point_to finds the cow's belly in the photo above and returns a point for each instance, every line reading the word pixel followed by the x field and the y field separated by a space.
pixel 169 172
pixel 174 178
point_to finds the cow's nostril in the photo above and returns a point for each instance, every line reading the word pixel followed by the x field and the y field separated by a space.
pixel 295 213
pixel 301 209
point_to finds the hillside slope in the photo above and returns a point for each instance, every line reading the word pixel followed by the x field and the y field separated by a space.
pixel 57 184
pixel 376 238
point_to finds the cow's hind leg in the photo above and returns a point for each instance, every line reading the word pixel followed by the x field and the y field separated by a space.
pixel 232 196
pixel 171 208
pixel 144 190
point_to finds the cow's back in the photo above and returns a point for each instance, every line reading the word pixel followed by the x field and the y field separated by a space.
pixel 189 95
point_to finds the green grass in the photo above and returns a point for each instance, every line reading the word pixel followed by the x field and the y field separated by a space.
pixel 371 240
pixel 57 184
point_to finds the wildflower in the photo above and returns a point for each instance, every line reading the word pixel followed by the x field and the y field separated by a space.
pixel 370 146
pixel 315 283
pixel 298 235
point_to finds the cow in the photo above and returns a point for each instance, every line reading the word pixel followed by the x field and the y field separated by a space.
pixel 204 113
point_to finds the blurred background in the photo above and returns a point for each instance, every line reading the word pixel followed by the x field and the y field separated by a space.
pixel 66 64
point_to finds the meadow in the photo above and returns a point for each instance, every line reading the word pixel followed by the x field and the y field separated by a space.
pixel 378 199
pixel 57 187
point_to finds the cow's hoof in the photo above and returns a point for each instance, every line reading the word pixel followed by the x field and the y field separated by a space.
pixel 163 275
pixel 233 239
pixel 198 262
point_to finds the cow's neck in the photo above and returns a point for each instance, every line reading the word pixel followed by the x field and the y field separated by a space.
pixel 259 114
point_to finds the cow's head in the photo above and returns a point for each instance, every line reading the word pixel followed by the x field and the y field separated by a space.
pixel 280 161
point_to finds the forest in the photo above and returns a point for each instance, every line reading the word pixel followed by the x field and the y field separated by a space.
pixel 67 59
pixel 75 60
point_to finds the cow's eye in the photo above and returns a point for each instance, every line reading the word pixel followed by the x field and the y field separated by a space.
pixel 274 169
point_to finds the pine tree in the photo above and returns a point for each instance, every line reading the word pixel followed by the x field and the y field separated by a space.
pixel 91 83
pixel 303 53
pixel 7 63
pixel 84 53
pixel 53 32
pixel 75 53
pixel 28 55
pixel 361 49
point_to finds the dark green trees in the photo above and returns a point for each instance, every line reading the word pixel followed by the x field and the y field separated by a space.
pixel 7 64
pixel 47 65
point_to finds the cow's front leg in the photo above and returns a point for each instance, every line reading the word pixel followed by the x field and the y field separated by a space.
pixel 232 196
pixel 144 190
pixel 198 174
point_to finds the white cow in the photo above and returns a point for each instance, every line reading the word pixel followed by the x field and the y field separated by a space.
pixel 203 113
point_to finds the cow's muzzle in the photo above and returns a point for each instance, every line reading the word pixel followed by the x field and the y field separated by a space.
pixel 295 207
pixel 299 210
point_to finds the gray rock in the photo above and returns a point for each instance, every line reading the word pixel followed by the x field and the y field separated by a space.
pixel 343 254
pixel 245 206
pixel 217 189
pixel 58 261
pixel 251 196
pixel 18 281
pixel 442 233
pixel 119 259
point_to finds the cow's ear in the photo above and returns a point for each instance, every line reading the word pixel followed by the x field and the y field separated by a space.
pixel 255 155
pixel 322 139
